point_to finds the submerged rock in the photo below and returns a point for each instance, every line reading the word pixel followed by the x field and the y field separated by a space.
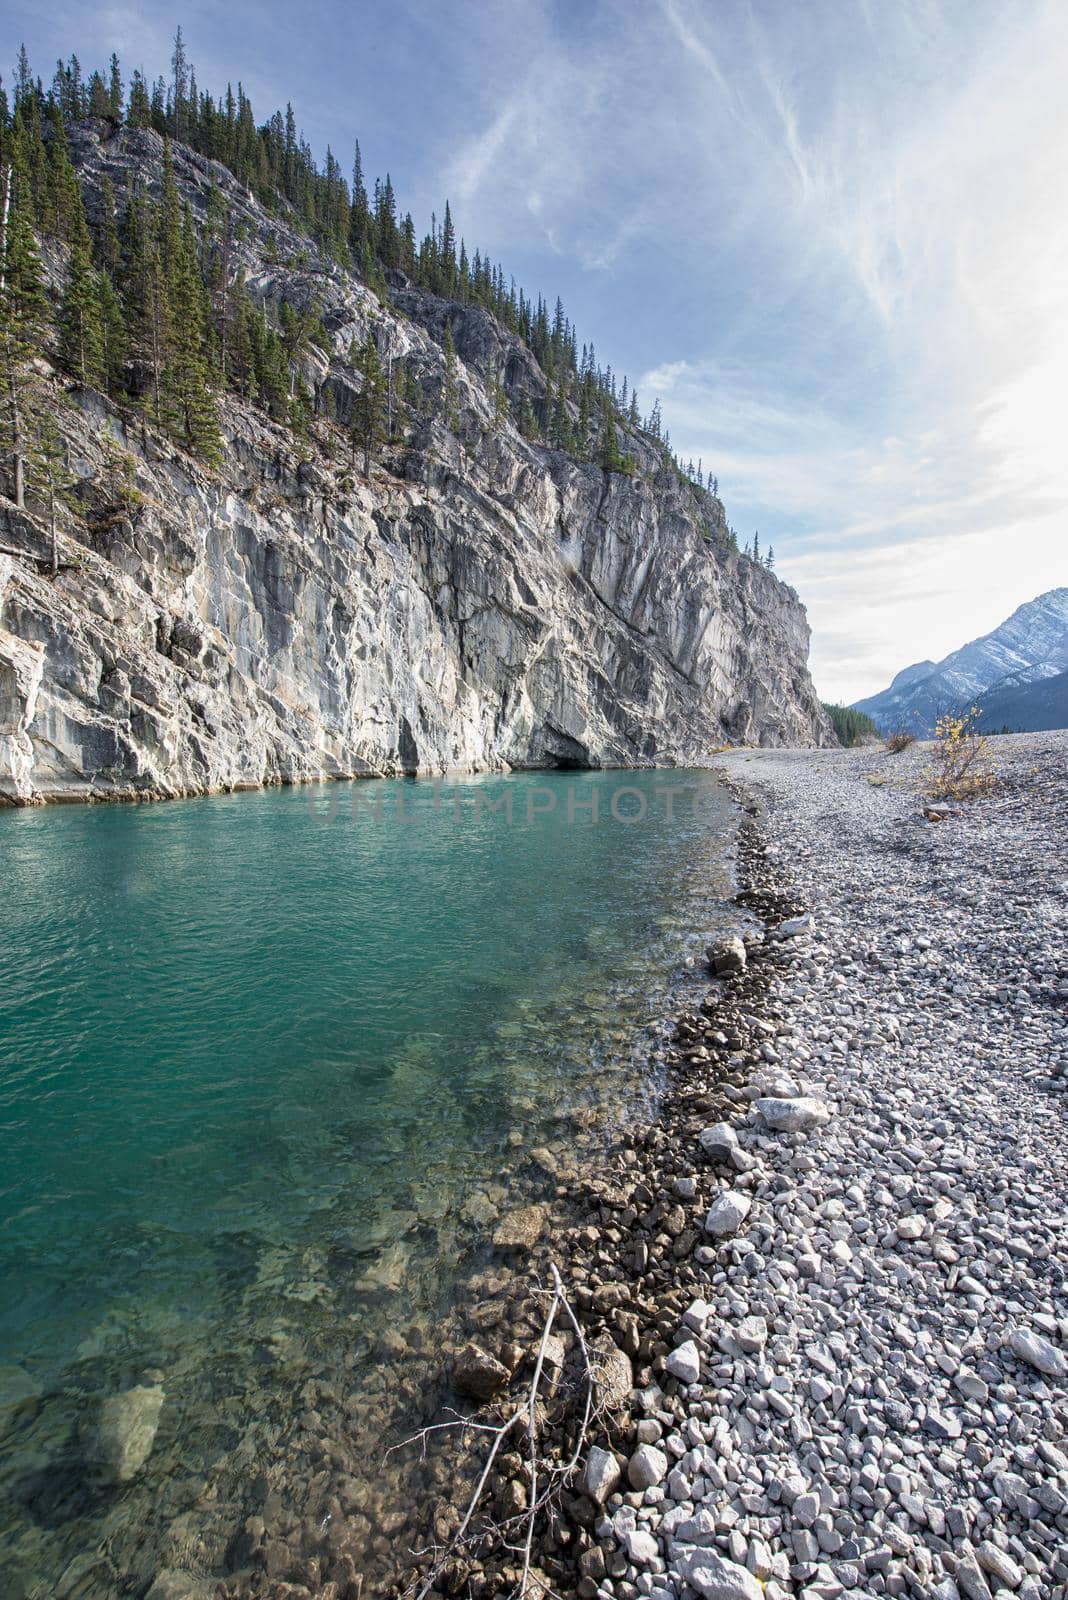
pixel 19 1398
pixel 479 1375
pixel 479 1209
pixel 173 1584
pixel 520 1230
pixel 125 1431
pixel 727 957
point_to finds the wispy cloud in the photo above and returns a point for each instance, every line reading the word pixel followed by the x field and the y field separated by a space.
pixel 862 216
pixel 945 207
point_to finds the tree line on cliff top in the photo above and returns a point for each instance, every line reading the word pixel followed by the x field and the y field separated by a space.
pixel 154 312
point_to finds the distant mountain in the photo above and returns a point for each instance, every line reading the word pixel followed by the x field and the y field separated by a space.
pixel 909 675
pixel 1027 649
pixel 1028 708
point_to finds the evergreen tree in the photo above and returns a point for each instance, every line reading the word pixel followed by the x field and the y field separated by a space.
pixel 415 398
pixel 70 91
pixel 300 408
pixel 148 311
pixel 81 334
pixel 30 161
pixel 448 252
pixel 221 296
pixel 99 100
pixel 386 232
pixel 359 210
pixel 64 216
pixel 169 215
pixel 139 110
pixel 50 476
pixel 561 433
pixel 369 412
pixel 851 727
pixel 269 366
pixel 609 456
pixel 756 546
pixel 115 89
pixel 769 560
pixel 23 78
pixel 152 253
pixel 23 316
pixel 527 421
pixel 585 412
pixel 180 68
pixel 239 368
pixel 188 383
pixel 113 337
pixel 392 405
pixel 108 251
pixel 407 245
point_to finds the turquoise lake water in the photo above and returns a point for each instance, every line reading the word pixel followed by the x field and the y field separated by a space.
pixel 264 1065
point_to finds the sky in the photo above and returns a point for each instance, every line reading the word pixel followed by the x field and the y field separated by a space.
pixel 831 235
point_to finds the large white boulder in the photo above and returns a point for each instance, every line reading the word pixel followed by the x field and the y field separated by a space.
pixel 791 1116
pixel 727 1214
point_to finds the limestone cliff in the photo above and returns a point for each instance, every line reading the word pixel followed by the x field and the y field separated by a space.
pixel 479 601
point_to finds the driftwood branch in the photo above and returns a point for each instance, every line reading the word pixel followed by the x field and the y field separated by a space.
pixel 546 1478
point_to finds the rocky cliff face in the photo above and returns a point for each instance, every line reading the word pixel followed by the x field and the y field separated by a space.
pixel 479 601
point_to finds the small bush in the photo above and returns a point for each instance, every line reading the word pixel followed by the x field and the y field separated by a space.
pixel 962 766
pixel 900 741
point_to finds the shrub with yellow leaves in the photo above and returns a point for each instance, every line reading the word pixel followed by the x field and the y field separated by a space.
pixel 962 766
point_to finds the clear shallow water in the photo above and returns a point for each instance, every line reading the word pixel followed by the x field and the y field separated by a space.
pixel 261 1064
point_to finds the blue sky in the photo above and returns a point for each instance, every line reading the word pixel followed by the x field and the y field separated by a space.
pixel 831 235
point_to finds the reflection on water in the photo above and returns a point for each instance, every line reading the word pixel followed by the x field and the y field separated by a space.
pixel 267 1074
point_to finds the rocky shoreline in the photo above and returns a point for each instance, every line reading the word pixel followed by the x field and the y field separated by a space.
pixel 832 1270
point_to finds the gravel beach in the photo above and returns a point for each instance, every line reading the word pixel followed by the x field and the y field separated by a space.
pixel 851 1344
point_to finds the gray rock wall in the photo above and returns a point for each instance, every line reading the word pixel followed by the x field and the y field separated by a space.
pixel 479 603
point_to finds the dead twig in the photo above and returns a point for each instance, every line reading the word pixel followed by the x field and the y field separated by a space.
pixel 551 1476
pixel 462 1423
pixel 457 1539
